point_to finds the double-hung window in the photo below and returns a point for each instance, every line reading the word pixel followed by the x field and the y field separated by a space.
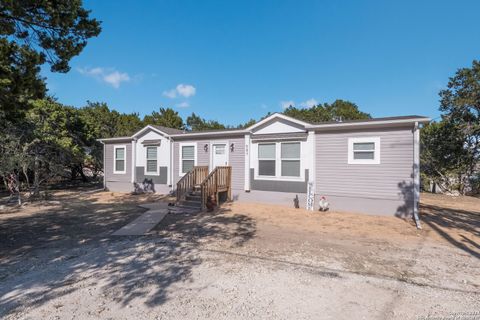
pixel 152 166
pixel 364 150
pixel 290 157
pixel 267 159
pixel 119 153
pixel 187 161
pixel 279 159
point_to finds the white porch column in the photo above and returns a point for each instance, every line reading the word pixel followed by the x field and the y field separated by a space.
pixel 169 171
pixel 134 158
pixel 312 157
pixel 416 173
pixel 247 162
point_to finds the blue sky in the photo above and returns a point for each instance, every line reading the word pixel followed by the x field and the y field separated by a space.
pixel 235 60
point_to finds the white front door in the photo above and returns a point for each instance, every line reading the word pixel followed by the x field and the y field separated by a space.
pixel 219 155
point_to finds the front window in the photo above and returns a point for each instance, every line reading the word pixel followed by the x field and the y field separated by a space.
pixel 279 159
pixel 266 159
pixel 119 160
pixel 290 157
pixel 188 158
pixel 152 160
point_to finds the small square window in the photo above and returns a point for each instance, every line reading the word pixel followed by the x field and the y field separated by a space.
pixel 364 150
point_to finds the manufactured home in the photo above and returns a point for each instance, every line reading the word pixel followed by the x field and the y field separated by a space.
pixel 367 166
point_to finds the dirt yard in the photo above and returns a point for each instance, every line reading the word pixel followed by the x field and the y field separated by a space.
pixel 58 261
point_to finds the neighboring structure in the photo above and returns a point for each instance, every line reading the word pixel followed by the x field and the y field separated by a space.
pixel 369 166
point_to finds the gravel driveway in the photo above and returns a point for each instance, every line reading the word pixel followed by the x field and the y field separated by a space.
pixel 241 263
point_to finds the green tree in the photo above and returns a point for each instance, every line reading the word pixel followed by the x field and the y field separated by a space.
pixel 454 144
pixel 102 122
pixel 339 110
pixel 166 117
pixel 196 123
pixel 56 142
pixel 14 160
pixel 443 155
pixel 247 124
pixel 128 124
pixel 34 32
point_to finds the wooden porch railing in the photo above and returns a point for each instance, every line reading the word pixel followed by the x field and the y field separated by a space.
pixel 219 180
pixel 191 179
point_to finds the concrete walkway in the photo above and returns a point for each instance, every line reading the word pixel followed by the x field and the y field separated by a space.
pixel 147 221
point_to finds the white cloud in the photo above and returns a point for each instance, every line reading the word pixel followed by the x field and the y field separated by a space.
pixel 170 93
pixel 107 75
pixel 263 106
pixel 184 90
pixel 116 78
pixel 309 103
pixel 183 105
pixel 286 104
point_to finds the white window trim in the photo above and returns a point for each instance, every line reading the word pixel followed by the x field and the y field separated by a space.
pixel 180 173
pixel 151 173
pixel 376 151
pixel 278 163
pixel 115 171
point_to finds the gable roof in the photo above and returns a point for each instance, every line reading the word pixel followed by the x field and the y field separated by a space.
pixel 385 121
pixel 279 116
pixel 168 130
pixel 412 117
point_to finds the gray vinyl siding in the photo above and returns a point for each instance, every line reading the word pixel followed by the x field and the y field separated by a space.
pixel 237 162
pixel 392 179
pixel 109 159
pixel 236 158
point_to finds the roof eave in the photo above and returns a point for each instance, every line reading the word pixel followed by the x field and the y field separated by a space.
pixel 208 133
pixel 114 139
pixel 368 123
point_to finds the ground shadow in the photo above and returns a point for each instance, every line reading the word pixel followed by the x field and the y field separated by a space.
pixel 452 224
pixel 43 256
pixel 446 222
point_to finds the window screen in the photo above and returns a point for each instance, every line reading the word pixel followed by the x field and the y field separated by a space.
pixel 152 159
pixel 119 159
pixel 266 151
pixel 364 151
pixel 188 158
pixel 290 151
pixel 266 159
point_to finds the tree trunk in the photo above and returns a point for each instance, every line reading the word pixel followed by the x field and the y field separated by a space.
pixel 27 179
pixel 73 173
pixel 80 170
pixel 17 185
pixel 36 178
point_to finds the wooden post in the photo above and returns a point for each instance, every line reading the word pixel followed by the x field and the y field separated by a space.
pixel 229 183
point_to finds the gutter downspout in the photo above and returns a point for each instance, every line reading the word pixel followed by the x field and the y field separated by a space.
pixel 171 163
pixel 416 174
pixel 104 171
pixel 134 159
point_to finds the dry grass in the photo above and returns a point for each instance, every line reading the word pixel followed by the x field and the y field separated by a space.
pixel 445 219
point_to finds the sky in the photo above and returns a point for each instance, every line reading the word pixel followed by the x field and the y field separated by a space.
pixel 232 61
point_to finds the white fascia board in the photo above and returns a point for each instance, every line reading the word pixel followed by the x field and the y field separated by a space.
pixel 208 133
pixel 151 128
pixel 367 123
pixel 115 139
pixel 277 115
